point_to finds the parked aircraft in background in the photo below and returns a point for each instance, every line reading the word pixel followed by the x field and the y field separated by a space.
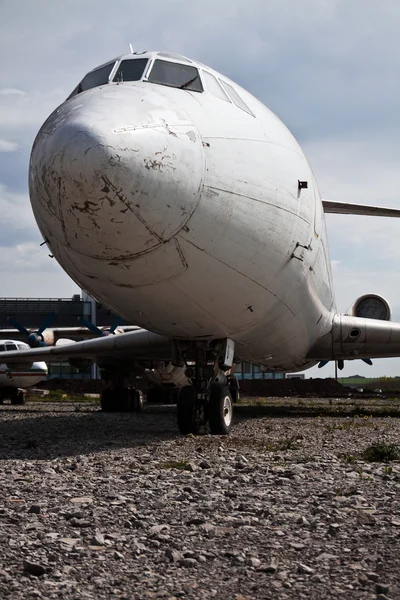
pixel 179 201
pixel 14 379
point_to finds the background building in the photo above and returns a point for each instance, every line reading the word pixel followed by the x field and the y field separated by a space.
pixel 32 312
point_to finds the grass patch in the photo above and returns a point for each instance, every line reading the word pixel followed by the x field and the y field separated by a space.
pixel 381 452
pixel 357 422
pixel 349 458
pixel 60 396
pixel 175 464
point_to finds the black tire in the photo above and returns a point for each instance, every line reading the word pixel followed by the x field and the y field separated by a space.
pixel 220 410
pixel 234 389
pixel 125 400
pixel 18 399
pixel 155 395
pixel 137 401
pixel 188 421
pixel 108 401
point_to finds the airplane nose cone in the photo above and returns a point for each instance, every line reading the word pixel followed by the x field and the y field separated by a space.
pixel 115 172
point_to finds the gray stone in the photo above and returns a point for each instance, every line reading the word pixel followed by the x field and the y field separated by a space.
pixel 196 521
pixel 365 518
pixel 34 568
pixel 191 467
pixel 254 562
pixel 188 562
pixel 271 566
pixel 97 539
pixel 79 522
pixel 156 529
pixel 173 555
pixel 333 528
pixel 304 569
pixel 205 464
pixel 381 588
pixel 297 545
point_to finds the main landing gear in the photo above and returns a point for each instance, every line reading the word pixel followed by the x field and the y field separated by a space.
pixel 16 396
pixel 120 396
pixel 121 400
pixel 210 396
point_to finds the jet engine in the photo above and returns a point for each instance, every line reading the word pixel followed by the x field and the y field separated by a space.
pixel 371 306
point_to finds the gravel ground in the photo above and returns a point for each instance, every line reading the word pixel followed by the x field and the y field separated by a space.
pixel 112 506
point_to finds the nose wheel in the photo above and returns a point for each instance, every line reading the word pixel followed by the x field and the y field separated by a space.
pixel 195 409
pixel 220 410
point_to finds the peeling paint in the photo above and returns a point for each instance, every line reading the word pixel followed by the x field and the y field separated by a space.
pixel 158 165
pixel 169 130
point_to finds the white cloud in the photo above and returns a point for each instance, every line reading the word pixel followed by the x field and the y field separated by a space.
pixel 11 92
pixel 15 209
pixel 7 146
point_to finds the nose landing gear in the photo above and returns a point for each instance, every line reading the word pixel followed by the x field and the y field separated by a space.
pixel 209 397
pixel 195 410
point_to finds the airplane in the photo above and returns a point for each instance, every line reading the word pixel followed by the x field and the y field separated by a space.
pixel 182 203
pixel 15 378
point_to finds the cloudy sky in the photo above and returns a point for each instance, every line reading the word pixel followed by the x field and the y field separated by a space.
pixel 328 68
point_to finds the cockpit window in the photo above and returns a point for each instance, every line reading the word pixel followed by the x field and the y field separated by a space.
pixel 93 79
pixel 10 346
pixel 176 75
pixel 236 98
pixel 131 70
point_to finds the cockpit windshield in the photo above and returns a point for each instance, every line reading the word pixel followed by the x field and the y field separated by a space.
pixel 176 75
pixel 93 79
pixel 131 70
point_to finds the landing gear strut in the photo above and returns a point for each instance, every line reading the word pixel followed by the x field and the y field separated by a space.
pixel 17 397
pixel 208 399
pixel 120 395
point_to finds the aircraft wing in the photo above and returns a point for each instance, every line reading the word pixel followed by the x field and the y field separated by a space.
pixel 123 347
pixel 355 337
pixel 56 333
pixel 348 208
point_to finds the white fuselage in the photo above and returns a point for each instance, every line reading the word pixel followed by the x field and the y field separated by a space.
pixel 184 214
pixel 20 376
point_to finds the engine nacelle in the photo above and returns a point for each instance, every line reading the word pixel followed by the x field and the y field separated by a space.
pixel 167 376
pixel 48 337
pixel 371 306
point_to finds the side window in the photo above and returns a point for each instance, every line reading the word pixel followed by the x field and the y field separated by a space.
pixel 214 87
pixel 236 98
pixel 10 346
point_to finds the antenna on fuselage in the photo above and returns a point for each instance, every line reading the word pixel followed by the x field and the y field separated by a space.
pixel 131 48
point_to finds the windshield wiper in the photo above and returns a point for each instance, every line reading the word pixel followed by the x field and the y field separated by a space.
pixel 184 85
